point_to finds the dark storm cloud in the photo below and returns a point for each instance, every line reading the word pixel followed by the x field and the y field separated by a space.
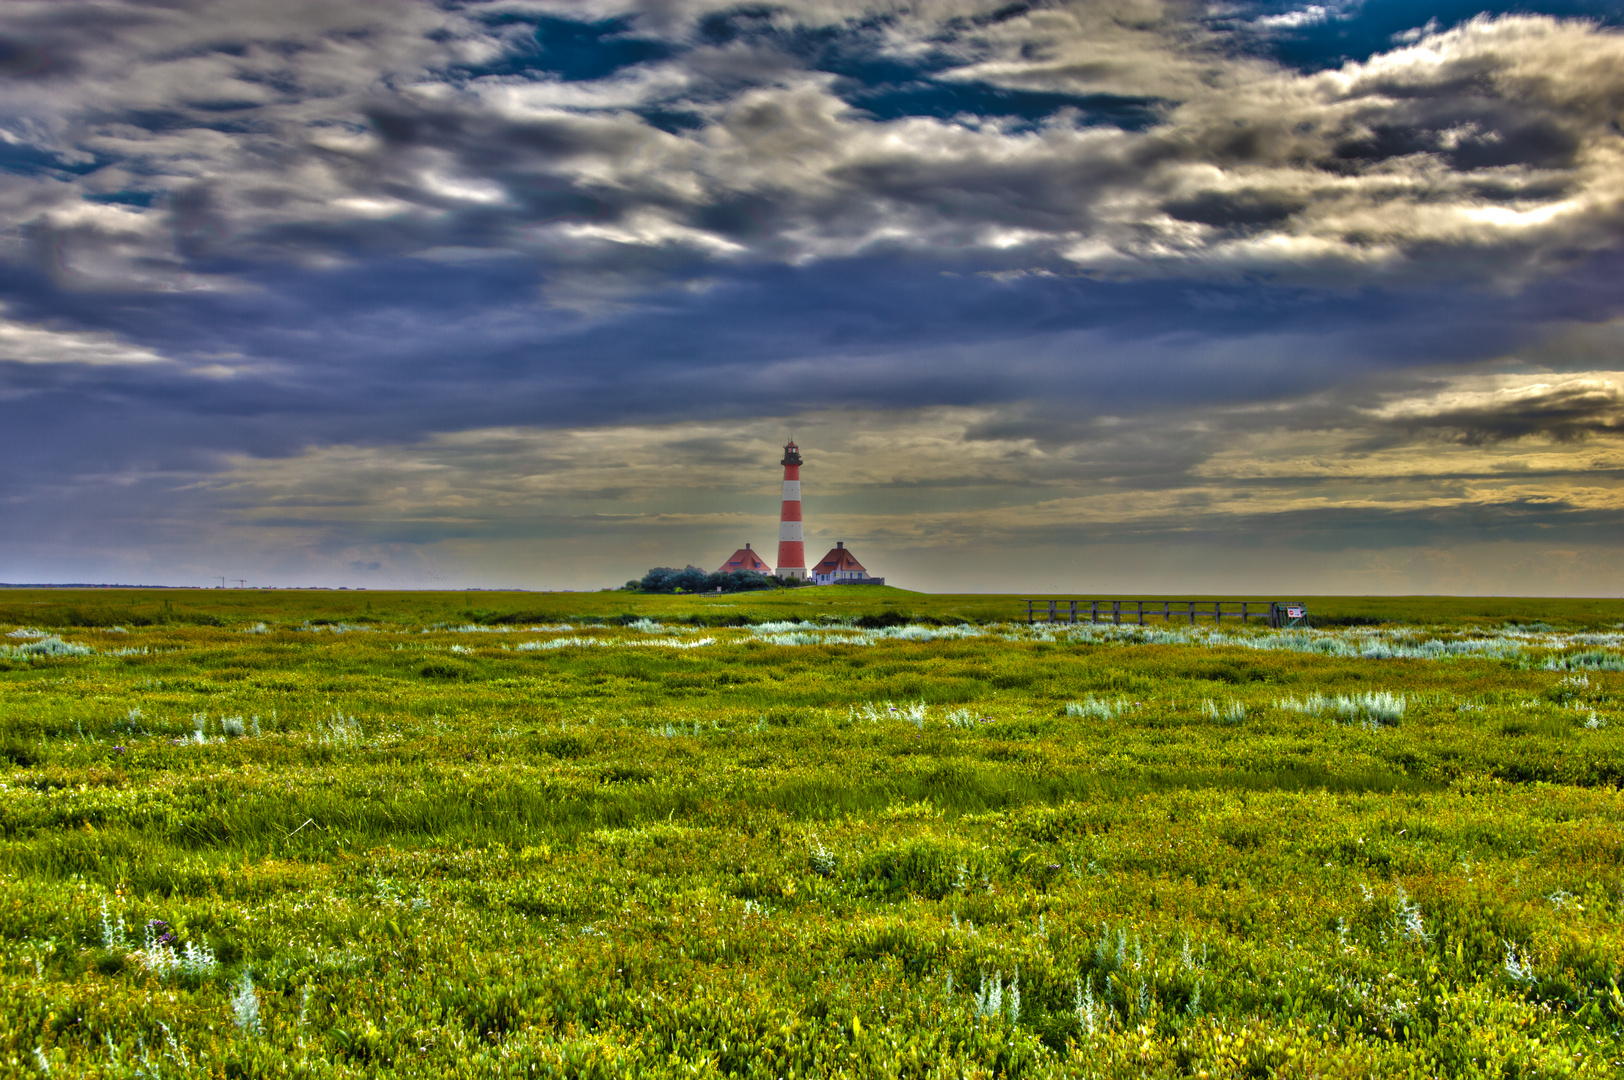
pixel 1342 529
pixel 385 350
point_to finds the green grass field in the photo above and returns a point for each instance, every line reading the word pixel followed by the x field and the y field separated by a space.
pixel 839 831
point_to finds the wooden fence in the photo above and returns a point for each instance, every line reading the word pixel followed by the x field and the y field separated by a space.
pixel 1135 611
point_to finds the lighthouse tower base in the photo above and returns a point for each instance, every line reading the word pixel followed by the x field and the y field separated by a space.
pixel 792 573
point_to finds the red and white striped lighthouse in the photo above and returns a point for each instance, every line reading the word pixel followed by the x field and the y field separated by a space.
pixel 791 551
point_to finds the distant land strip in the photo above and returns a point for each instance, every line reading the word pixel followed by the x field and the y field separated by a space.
pixel 295 588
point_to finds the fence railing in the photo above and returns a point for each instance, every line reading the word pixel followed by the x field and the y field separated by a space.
pixel 1278 613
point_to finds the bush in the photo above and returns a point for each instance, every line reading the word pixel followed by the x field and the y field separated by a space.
pixel 48 646
pixel 1327 622
pixel 691 579
pixel 1591 660
pixel 96 619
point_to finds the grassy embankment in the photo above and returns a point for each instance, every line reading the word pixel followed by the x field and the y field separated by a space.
pixel 791 850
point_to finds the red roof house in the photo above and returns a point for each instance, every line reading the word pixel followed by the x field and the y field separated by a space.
pixel 838 566
pixel 745 559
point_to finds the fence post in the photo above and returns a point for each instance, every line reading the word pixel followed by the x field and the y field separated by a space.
pixel 1074 611
pixel 1217 612
pixel 1167 611
pixel 1116 612
pixel 1094 611
pixel 1191 605
pixel 1029 613
pixel 1141 605
pixel 1243 612
pixel 1051 610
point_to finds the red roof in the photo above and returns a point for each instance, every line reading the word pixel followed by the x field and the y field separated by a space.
pixel 744 559
pixel 839 560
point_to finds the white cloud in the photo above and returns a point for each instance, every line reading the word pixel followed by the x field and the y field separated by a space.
pixel 1601 390
pixel 297 130
pixel 23 343
pixel 1312 15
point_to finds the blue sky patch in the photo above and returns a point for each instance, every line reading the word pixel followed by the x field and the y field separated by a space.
pixel 25 159
pixel 1329 34
pixel 573 51
pixel 142 199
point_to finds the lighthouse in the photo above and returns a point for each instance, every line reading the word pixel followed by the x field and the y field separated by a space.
pixel 791 551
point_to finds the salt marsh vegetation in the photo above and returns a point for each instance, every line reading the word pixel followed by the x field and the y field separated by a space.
pixel 872 834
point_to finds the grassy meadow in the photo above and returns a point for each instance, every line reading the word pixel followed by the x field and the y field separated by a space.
pixel 840 831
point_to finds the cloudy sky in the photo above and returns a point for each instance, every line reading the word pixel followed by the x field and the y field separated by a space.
pixel 1104 295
